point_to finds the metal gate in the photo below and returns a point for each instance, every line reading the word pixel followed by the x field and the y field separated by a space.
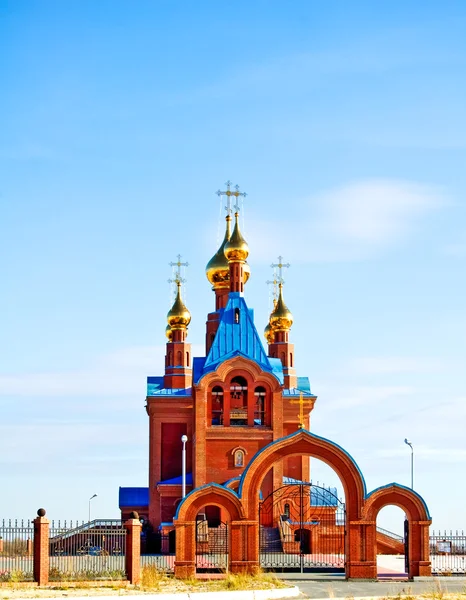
pixel 211 547
pixel 302 528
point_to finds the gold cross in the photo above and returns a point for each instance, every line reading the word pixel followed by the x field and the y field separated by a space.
pixel 177 273
pixel 280 265
pixel 301 403
pixel 229 193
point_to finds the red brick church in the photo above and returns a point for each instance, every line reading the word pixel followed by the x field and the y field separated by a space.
pixel 243 417
pixel 229 403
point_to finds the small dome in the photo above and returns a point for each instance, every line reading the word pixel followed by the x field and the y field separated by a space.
pixel 281 318
pixel 268 334
pixel 246 271
pixel 217 269
pixel 236 249
pixel 178 316
pixel 169 333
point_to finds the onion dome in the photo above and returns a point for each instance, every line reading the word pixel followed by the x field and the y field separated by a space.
pixel 246 271
pixel 178 316
pixel 281 318
pixel 169 333
pixel 269 334
pixel 236 249
pixel 217 269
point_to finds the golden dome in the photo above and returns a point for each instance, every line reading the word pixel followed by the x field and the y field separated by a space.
pixel 281 318
pixel 178 316
pixel 269 334
pixel 169 333
pixel 236 249
pixel 217 269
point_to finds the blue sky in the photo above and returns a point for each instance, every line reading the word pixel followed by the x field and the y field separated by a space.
pixel 345 124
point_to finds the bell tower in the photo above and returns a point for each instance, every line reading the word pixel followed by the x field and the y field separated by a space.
pixel 178 369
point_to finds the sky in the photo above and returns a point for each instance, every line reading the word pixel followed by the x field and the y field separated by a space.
pixel 345 124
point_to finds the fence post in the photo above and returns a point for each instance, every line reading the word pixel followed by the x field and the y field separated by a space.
pixel 41 548
pixel 133 548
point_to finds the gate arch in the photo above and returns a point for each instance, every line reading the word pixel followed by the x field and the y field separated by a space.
pixel 302 442
pixel 185 526
pixel 418 524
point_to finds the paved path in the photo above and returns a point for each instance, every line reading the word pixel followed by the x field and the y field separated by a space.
pixel 336 587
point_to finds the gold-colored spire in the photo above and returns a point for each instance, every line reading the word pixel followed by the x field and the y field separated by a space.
pixel 281 318
pixel 217 269
pixel 178 316
pixel 236 249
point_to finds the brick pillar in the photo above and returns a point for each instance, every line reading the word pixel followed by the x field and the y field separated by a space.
pixel 133 548
pixel 185 559
pixel 41 548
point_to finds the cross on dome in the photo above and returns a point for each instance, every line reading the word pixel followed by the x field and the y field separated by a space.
pixel 177 278
pixel 229 193
pixel 280 265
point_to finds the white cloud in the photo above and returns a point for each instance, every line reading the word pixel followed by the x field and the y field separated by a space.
pixel 121 373
pixel 351 222
pixel 392 364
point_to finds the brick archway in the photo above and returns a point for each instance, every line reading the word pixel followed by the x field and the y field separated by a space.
pixel 418 518
pixel 303 443
pixel 185 526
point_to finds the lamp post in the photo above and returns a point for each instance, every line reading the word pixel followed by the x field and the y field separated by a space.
pixel 91 498
pixel 408 443
pixel 184 439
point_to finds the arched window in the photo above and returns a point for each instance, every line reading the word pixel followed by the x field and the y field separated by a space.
pixel 282 358
pixel 179 358
pixel 217 405
pixel 169 359
pixel 237 314
pixel 286 510
pixel 239 458
pixel 259 406
pixel 291 359
pixel 187 359
pixel 238 401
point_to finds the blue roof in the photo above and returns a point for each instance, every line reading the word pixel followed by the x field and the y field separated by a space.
pixel 133 496
pixel 320 496
pixel 238 338
pixel 177 480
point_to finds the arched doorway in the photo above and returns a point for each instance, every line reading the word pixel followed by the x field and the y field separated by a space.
pixel 392 543
pixel 302 528
pixel 211 541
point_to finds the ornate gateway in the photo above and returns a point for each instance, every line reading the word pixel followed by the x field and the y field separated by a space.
pixel 302 528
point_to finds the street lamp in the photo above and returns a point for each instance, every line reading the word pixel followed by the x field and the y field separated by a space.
pixel 408 443
pixel 184 439
pixel 91 498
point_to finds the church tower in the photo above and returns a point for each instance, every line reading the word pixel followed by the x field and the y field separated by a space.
pixel 229 403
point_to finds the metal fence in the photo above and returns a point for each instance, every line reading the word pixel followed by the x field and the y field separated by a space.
pixel 87 551
pixel 16 549
pixel 158 550
pixel 448 552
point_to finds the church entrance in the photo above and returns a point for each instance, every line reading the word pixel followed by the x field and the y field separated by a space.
pixel 211 545
pixel 302 529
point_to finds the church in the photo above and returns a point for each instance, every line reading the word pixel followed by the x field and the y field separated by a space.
pixel 251 399
pixel 230 447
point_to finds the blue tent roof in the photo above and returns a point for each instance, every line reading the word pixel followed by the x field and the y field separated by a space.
pixel 133 496
pixel 237 336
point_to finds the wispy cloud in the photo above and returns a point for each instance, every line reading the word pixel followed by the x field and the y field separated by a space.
pixel 378 365
pixel 121 373
pixel 352 222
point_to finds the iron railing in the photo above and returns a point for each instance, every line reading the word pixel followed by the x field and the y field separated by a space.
pixel 16 550
pixel 448 552
pixel 86 551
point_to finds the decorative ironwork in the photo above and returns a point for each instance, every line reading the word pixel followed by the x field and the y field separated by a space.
pixel 448 552
pixel 90 549
pixel 16 550
pixel 302 528
pixel 211 546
